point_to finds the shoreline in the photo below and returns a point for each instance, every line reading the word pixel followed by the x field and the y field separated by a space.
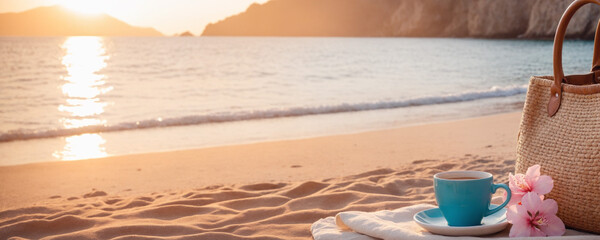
pixel 282 160
pixel 179 138
pixel 291 138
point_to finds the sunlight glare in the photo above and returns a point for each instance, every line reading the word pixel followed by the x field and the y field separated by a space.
pixel 82 146
pixel 84 58
pixel 85 6
pixel 83 107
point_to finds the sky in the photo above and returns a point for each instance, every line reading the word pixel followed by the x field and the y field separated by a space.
pixel 166 16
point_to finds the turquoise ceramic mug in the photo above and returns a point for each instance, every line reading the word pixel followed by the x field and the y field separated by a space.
pixel 464 196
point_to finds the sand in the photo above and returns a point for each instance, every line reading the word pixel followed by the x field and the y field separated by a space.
pixel 272 190
pixel 255 211
pixel 288 161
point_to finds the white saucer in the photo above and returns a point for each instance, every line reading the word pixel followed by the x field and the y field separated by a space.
pixel 433 221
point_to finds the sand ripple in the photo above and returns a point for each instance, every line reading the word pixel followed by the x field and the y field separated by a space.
pixel 253 211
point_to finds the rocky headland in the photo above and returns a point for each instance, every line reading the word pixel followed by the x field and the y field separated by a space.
pixel 535 19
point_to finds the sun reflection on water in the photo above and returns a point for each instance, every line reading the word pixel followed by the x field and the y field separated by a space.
pixel 89 145
pixel 84 58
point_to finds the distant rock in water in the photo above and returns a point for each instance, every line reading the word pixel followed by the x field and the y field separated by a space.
pixel 58 21
pixel 185 34
pixel 408 18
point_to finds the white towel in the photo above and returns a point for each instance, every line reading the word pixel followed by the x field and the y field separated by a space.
pixel 397 224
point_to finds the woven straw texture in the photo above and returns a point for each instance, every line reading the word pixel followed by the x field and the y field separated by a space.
pixel 567 146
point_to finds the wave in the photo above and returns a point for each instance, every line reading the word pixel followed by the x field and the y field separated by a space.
pixel 493 92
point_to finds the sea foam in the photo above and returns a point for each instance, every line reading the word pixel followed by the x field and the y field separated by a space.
pixel 493 92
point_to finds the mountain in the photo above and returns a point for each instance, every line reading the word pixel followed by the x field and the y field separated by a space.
pixel 308 18
pixel 59 21
pixel 408 18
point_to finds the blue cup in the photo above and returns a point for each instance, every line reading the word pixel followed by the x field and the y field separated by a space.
pixel 464 196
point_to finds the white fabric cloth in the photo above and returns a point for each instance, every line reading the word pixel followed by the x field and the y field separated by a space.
pixel 398 224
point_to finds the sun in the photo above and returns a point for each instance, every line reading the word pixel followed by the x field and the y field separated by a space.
pixel 85 6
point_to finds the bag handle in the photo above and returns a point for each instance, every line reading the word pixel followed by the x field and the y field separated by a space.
pixel 559 37
pixel 596 63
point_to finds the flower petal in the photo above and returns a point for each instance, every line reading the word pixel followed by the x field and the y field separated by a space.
pixel 533 171
pixel 532 175
pixel 511 214
pixel 537 233
pixel 516 214
pixel 549 207
pixel 555 226
pixel 543 185
pixel 511 181
pixel 532 202
pixel 515 199
pixel 521 230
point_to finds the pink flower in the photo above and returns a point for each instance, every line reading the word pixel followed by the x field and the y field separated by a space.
pixel 535 217
pixel 520 184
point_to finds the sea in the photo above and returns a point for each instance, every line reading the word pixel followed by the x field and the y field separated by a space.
pixel 82 97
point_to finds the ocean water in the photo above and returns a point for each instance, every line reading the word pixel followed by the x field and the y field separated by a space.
pixel 69 98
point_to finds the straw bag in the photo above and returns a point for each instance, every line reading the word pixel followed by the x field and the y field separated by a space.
pixel 560 130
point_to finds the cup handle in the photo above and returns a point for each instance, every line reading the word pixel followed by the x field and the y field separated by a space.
pixel 508 195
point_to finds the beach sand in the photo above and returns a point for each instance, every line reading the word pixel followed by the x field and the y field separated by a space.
pixel 271 190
